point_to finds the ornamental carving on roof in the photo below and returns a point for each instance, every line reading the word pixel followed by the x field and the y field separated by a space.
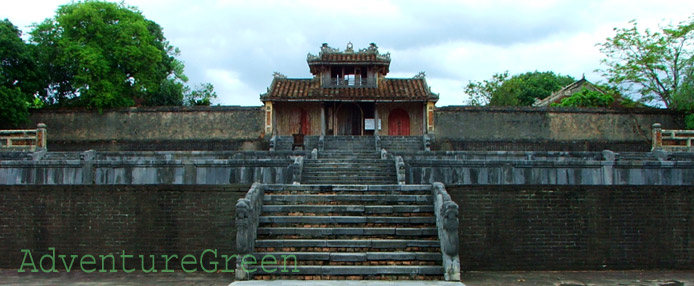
pixel 325 49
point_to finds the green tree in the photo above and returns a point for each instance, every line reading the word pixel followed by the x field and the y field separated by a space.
pixel 587 98
pixel 203 94
pixel 651 65
pixel 16 74
pixel 480 93
pixel 101 54
pixel 518 90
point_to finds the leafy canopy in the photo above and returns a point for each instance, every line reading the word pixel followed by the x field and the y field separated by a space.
pixel 654 66
pixel 518 90
pixel 17 75
pixel 101 54
pixel 587 98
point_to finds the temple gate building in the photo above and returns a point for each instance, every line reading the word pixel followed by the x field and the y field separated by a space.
pixel 349 95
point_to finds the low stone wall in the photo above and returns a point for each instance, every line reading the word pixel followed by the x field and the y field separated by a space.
pixel 575 227
pixel 154 128
pixel 548 129
pixel 103 220
pixel 549 168
pixel 107 168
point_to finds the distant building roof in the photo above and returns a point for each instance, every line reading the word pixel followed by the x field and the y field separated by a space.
pixel 389 89
pixel 332 56
pixel 567 91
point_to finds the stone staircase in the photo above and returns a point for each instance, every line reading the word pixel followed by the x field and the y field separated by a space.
pixel 348 219
pixel 349 232
pixel 402 143
pixel 349 160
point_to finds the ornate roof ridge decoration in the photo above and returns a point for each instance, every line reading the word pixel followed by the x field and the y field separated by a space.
pixel 421 74
pixel 327 50
pixel 278 75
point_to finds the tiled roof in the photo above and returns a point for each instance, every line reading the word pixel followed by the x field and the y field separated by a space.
pixel 348 57
pixel 411 89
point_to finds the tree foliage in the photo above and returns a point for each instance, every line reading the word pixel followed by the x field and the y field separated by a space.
pixel 587 98
pixel 652 65
pixel 518 90
pixel 101 54
pixel 481 93
pixel 203 94
pixel 17 75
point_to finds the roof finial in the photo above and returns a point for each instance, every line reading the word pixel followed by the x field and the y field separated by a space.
pixel 584 76
pixel 350 48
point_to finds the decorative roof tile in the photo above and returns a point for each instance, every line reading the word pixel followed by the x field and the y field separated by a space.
pixel 410 89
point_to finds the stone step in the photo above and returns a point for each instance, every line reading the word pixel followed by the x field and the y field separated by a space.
pixel 348 231
pixel 346 220
pixel 375 244
pixel 355 176
pixel 348 189
pixel 352 256
pixel 346 161
pixel 380 199
pixel 349 209
pixel 346 270
pixel 348 181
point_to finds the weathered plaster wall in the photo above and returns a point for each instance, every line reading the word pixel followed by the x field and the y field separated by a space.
pixel 548 129
pixel 161 128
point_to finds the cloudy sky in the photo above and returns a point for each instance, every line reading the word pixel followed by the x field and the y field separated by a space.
pixel 237 45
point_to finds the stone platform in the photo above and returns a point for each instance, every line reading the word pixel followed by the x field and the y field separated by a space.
pixel 344 283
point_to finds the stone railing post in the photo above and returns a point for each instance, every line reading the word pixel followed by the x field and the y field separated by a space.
pixel 377 141
pixel 446 211
pixel 87 158
pixel 321 143
pixel 384 154
pixel 41 134
pixel 608 159
pixel 297 167
pixel 273 143
pixel 427 142
pixel 400 169
pixel 248 210
pixel 314 154
pixel 657 137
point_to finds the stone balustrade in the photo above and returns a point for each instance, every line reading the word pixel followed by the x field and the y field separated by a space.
pixel 248 210
pixel 672 140
pixel 446 211
pixel 24 139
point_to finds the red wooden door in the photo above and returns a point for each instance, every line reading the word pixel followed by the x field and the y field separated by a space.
pixel 299 121
pixel 398 123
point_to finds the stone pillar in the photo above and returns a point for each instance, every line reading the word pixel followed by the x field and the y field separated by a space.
pixel 41 134
pixel 376 118
pixel 269 126
pixel 430 117
pixel 657 137
pixel 322 119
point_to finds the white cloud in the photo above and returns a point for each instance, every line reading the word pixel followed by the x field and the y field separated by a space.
pixel 236 45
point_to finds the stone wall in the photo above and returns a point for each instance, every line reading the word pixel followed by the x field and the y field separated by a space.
pixel 457 128
pixel 501 227
pixel 160 128
pixel 549 168
pixel 548 129
pixel 575 227
pixel 102 220
pixel 164 167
